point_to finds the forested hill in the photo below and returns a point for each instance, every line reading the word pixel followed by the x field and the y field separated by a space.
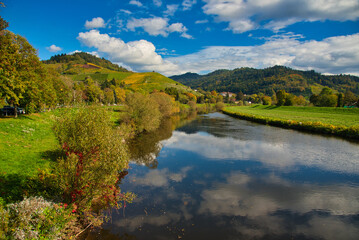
pixel 269 80
pixel 86 60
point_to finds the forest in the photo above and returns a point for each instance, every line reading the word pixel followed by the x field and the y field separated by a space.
pixel 269 81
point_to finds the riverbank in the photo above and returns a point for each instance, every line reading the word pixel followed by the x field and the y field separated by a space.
pixel 32 136
pixel 334 121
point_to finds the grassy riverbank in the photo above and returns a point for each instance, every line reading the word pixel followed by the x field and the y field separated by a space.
pixel 27 143
pixel 336 121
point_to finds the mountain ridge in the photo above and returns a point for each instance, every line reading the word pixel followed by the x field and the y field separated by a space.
pixel 268 80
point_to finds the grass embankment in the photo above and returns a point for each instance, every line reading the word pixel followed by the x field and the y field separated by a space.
pixel 28 142
pixel 336 121
pixel 28 146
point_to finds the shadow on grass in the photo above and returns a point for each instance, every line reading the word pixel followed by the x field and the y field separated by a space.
pixel 254 106
pixel 26 117
pixel 53 155
pixel 14 187
pixel 272 107
pixel 18 117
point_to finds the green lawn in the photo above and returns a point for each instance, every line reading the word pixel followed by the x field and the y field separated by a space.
pixel 334 116
pixel 27 143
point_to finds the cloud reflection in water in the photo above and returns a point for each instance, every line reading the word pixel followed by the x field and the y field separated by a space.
pixel 322 154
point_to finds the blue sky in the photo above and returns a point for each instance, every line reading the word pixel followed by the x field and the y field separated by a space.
pixel 174 37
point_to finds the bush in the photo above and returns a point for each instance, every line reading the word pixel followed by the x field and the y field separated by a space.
pixel 166 103
pixel 220 106
pixel 143 112
pixel 96 153
pixel 192 105
pixel 35 218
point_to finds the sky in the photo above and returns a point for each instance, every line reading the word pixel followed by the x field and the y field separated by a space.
pixel 199 36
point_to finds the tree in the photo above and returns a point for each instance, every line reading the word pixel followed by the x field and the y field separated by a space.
pixel 289 100
pixel 240 96
pixel 120 95
pixel 200 99
pixel 218 99
pixel 326 91
pixel 340 100
pixel 350 99
pixel 166 103
pixel 314 99
pixel 328 100
pixel 220 106
pixel 143 112
pixel 191 97
pixel 214 93
pixel 109 97
pixel 93 91
pixel 281 95
pixel 3 24
pixel 19 67
pixel 299 101
pixel 266 100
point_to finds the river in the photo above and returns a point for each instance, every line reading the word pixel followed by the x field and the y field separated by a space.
pixel 218 177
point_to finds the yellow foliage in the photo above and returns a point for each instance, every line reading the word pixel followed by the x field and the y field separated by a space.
pixel 120 95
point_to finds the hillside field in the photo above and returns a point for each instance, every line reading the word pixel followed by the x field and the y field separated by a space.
pixel 139 82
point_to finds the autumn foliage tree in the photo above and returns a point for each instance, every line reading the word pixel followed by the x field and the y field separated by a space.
pixel 24 81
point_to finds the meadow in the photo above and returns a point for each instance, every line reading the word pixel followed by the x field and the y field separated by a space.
pixel 337 121
pixel 28 143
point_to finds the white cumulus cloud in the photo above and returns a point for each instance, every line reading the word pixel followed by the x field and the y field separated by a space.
pixel 95 23
pixel 243 15
pixel 135 2
pixel 157 26
pixel 187 4
pixel 139 55
pixel 171 9
pixel 158 3
pixel 53 48
pixel 331 55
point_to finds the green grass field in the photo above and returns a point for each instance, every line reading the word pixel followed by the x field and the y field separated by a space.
pixel 335 116
pixel 27 143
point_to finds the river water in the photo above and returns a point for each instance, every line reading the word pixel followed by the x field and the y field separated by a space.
pixel 218 177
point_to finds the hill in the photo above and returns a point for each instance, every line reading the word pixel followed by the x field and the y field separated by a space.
pixel 80 66
pixel 269 80
pixel 137 82
pixel 81 62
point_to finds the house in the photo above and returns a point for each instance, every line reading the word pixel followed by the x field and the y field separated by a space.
pixel 224 94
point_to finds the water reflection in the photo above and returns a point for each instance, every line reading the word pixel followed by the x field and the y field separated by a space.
pixel 222 178
pixel 303 150
pixel 146 147
pixel 262 201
